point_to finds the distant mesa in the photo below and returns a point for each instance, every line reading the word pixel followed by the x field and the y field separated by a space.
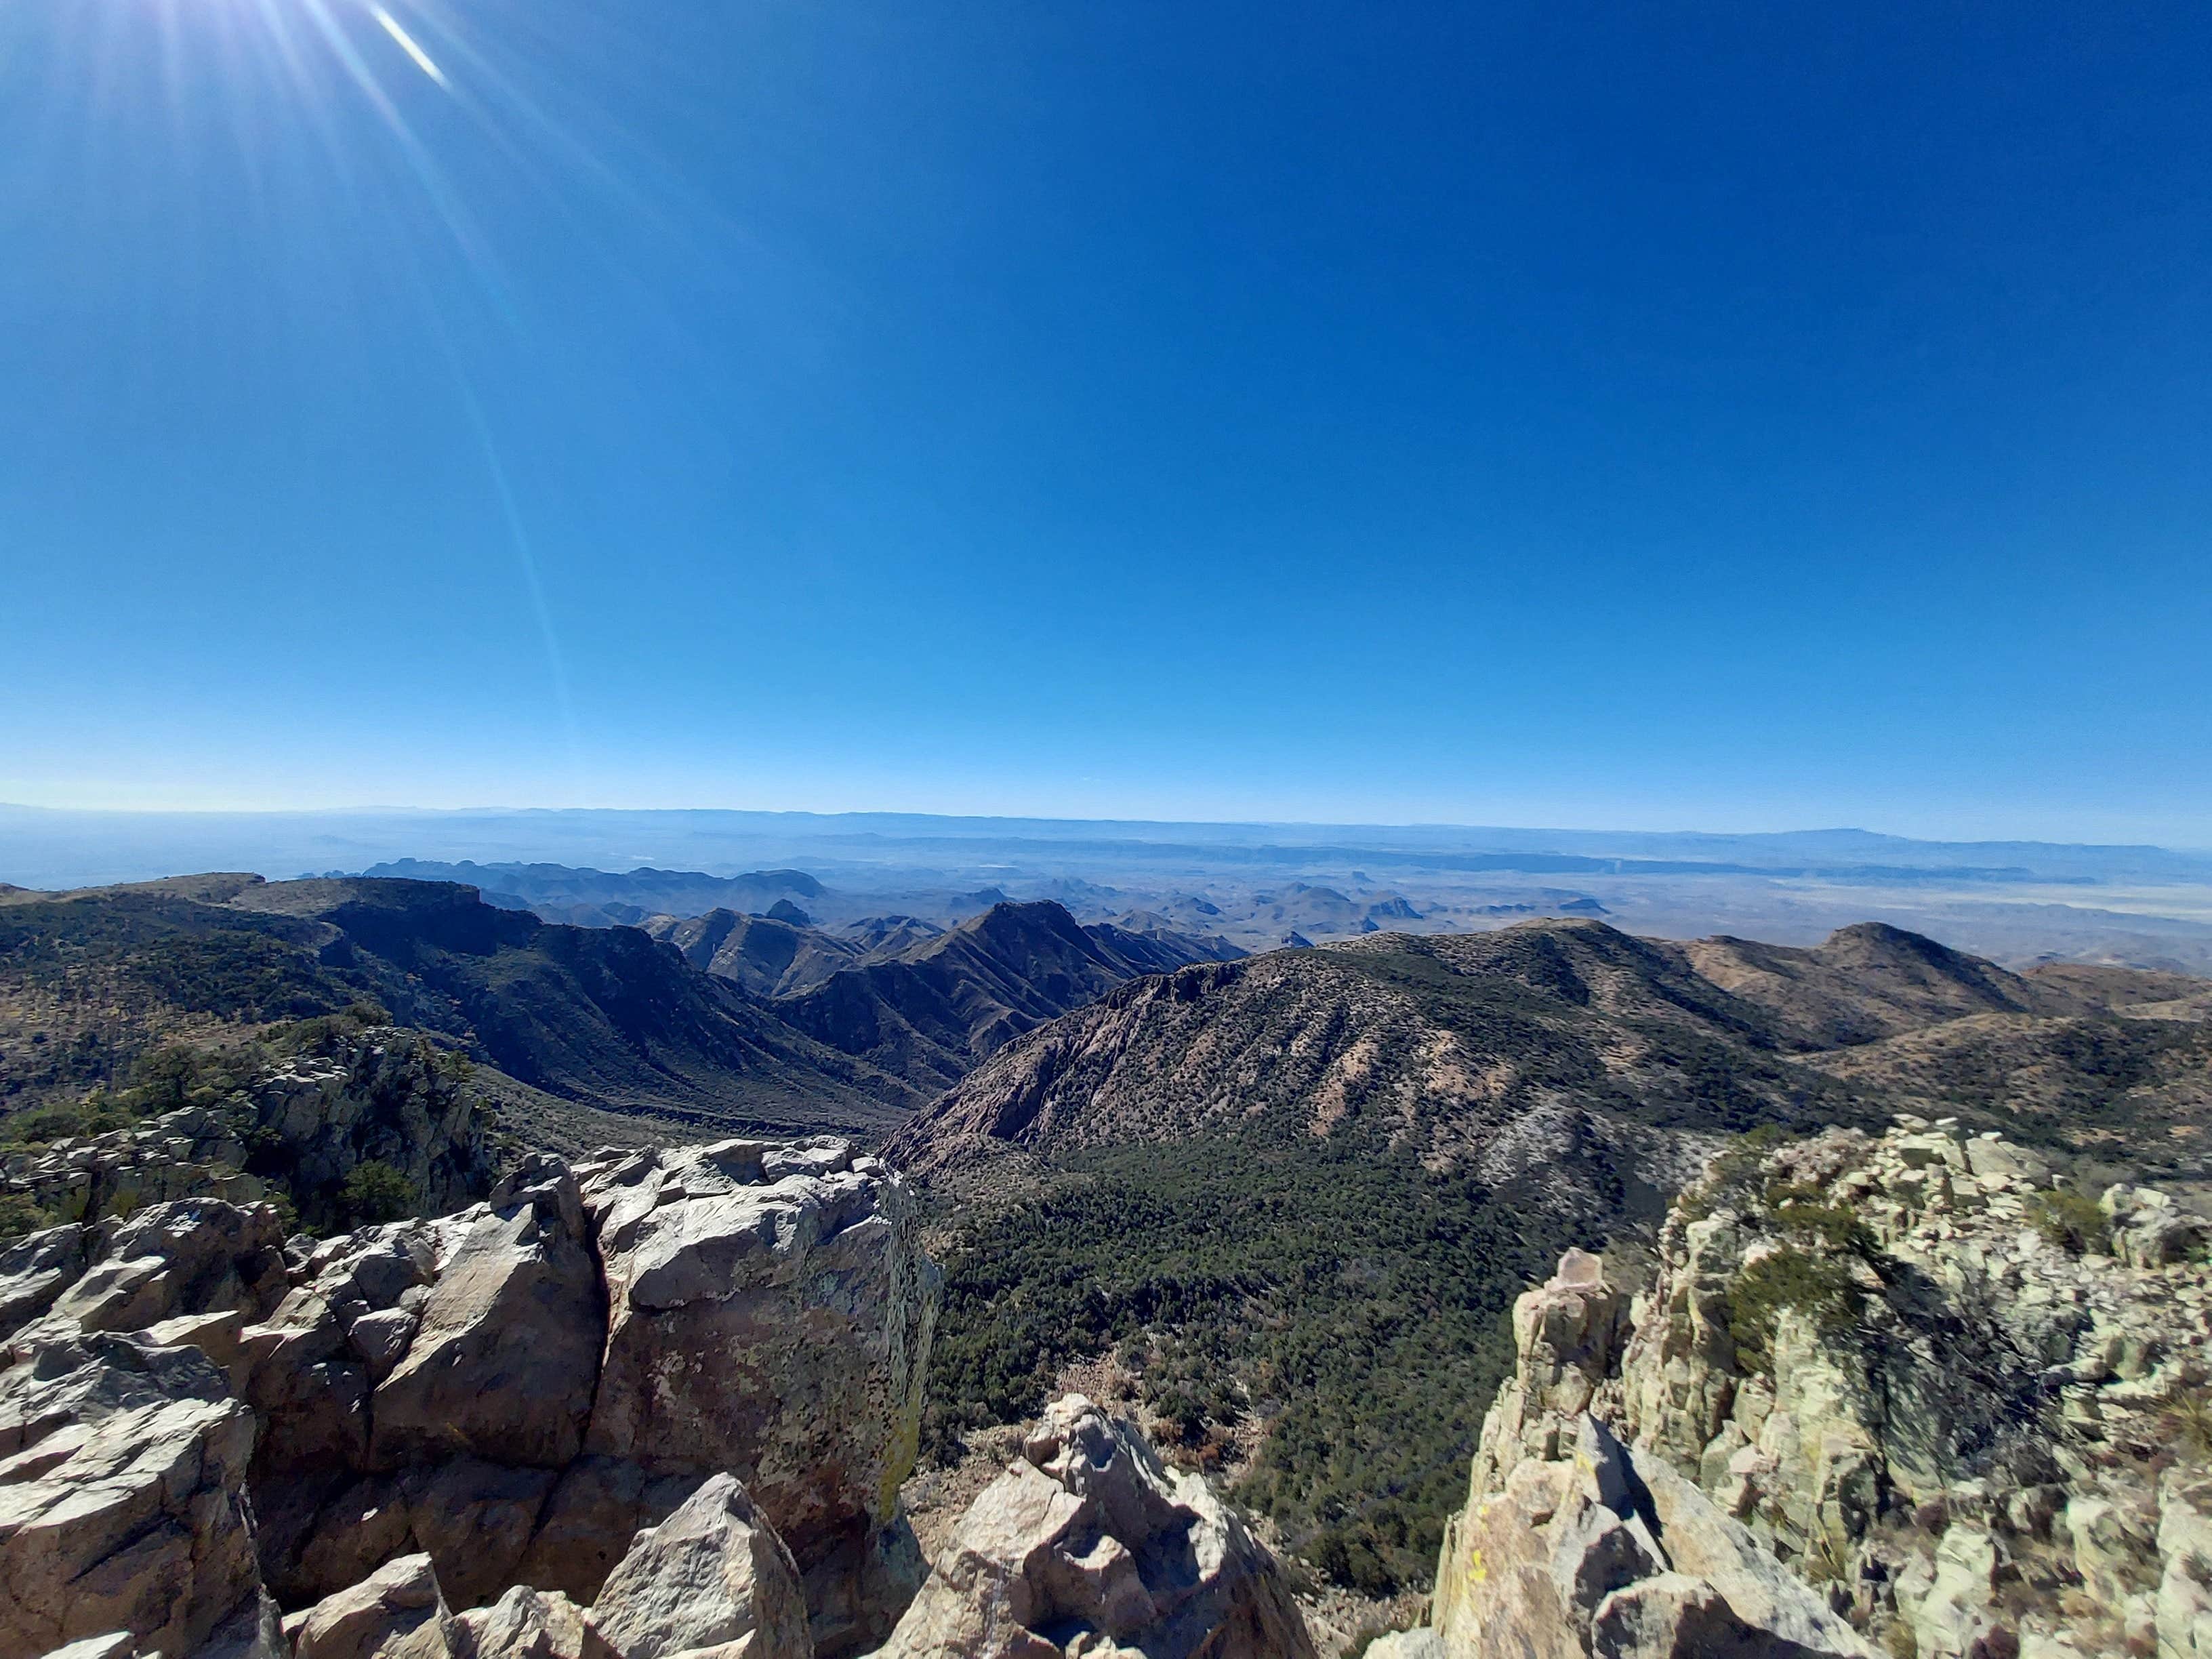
pixel 584 897
pixel 1583 907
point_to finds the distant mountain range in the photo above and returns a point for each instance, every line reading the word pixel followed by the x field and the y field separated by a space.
pixel 1450 1049
pixel 607 1018
pixel 749 1022
pixel 599 898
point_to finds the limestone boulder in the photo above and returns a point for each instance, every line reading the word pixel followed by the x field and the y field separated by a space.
pixel 1091 1545
pixel 529 1623
pixel 1600 1552
pixel 123 1473
pixel 502 1361
pixel 770 1312
pixel 713 1578
pixel 397 1612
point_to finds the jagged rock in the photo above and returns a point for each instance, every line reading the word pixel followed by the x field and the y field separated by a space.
pixel 1091 1546
pixel 2183 1605
pixel 713 1577
pixel 1700 1540
pixel 502 1361
pixel 423 1389
pixel 1883 1362
pixel 122 1474
pixel 529 1623
pixel 312 1118
pixel 190 1153
pixel 255 1631
pixel 594 1510
pixel 383 1095
pixel 1596 1552
pixel 35 1270
pixel 396 1612
pixel 2148 1230
pixel 1674 1615
pixel 190 1256
pixel 804 1260
pixel 1419 1642
pixel 1568 1333
pixel 112 1644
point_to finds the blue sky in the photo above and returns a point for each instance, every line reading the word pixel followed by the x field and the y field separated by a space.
pixel 1737 416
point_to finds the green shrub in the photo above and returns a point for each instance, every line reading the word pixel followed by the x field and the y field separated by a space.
pixel 374 1193
pixel 1830 1226
pixel 19 1215
pixel 1733 1176
pixel 2070 1222
pixel 1788 1278
pixel 94 1116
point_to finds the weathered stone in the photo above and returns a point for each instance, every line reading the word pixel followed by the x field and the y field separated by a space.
pixel 396 1612
pixel 1763 1594
pixel 771 1310
pixel 2184 1604
pixel 502 1364
pixel 595 1507
pixel 340 1540
pixel 1089 1544
pixel 475 1518
pixel 1676 1616
pixel 115 1644
pixel 529 1623
pixel 190 1256
pixel 1419 1642
pixel 422 1390
pixel 35 1269
pixel 714 1576
pixel 1973 1416
pixel 122 1473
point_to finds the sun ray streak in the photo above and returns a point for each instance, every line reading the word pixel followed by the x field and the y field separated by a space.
pixel 406 41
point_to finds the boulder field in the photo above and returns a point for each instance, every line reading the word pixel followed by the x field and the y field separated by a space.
pixel 658 1404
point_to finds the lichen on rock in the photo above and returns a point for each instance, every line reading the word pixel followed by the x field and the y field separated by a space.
pixel 1909 1382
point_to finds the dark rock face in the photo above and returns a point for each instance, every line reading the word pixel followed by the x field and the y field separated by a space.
pixel 934 1008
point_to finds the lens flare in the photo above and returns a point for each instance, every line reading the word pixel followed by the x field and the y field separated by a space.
pixel 391 26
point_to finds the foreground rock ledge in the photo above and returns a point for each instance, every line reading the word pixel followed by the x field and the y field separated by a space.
pixel 190 1410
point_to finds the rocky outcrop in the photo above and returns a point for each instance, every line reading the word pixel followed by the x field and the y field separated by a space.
pixel 300 1128
pixel 1906 1389
pixel 712 1579
pixel 122 1497
pixel 501 1398
pixel 1091 1546
pixel 714 1576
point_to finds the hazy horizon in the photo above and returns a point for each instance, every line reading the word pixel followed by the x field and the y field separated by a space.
pixel 1597 828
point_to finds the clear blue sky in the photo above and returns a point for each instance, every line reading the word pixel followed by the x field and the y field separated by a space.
pixel 1736 417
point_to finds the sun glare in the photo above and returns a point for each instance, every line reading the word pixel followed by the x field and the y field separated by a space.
pixel 391 26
